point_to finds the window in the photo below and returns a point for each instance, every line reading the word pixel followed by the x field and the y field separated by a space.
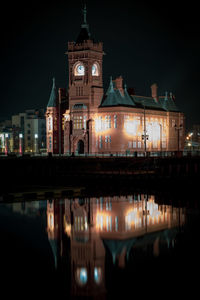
pixel 107 122
pixel 101 203
pixel 78 122
pixel 134 144
pixel 155 144
pixel 50 123
pixel 50 143
pixel 116 224
pixel 85 122
pixel 100 142
pixel 108 139
pixel 79 91
pixel 129 144
pixel 81 275
pixel 139 144
pixel 115 121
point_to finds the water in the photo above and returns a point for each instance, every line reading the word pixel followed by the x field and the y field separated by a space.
pixel 99 248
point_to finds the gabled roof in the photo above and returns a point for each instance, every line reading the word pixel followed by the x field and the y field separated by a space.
pixel 114 97
pixel 168 103
pixel 147 102
pixel 53 95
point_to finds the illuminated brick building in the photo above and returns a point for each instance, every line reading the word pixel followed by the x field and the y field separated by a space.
pixel 113 121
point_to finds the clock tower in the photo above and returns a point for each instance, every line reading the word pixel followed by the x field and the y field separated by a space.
pixel 85 69
pixel 85 90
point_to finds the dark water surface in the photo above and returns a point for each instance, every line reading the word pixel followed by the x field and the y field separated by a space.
pixel 100 248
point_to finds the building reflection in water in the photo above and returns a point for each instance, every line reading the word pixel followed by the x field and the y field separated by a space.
pixel 92 228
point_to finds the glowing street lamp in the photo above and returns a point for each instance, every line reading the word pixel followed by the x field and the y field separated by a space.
pixel 145 136
pixel 160 137
pixel 178 128
pixel 20 143
pixel 36 142
pixel 6 143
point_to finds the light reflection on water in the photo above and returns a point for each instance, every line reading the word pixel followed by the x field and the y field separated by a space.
pixel 99 243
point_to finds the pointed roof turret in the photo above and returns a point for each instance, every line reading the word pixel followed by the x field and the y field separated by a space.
pixel 53 95
pixel 84 34
pixel 111 87
pixel 114 97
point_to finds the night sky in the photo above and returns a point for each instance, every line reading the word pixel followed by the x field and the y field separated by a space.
pixel 144 41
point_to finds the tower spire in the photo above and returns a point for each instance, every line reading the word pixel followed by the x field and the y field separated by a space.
pixel 84 11
pixel 84 14
pixel 84 34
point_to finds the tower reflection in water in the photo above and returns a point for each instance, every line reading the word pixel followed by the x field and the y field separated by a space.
pixel 93 234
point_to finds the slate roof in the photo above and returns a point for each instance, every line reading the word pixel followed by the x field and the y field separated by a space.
pixel 84 34
pixel 114 97
pixel 168 103
pixel 53 95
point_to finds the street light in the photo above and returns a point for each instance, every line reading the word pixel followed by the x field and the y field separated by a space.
pixel 178 128
pixel 6 143
pixel 59 120
pixel 145 136
pixel 36 143
pixel 160 138
pixel 20 143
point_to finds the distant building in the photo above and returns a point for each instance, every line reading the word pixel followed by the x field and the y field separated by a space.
pixel 192 141
pixel 92 120
pixel 31 126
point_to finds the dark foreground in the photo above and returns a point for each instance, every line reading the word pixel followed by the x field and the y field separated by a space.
pixel 43 175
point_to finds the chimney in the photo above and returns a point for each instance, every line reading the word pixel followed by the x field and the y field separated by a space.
pixel 119 84
pixel 154 89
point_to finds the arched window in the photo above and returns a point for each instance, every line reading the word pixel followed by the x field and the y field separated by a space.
pixel 81 276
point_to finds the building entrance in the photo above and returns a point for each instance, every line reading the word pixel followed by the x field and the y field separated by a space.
pixel 80 147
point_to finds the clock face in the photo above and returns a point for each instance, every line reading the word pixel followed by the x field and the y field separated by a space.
pixel 95 70
pixel 79 70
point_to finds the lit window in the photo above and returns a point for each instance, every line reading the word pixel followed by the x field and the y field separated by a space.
pixel 84 122
pixel 50 123
pixel 101 203
pixel 95 70
pixel 155 144
pixel 98 124
pixel 97 275
pixel 106 139
pixel 129 144
pixel 78 122
pixel 107 122
pixel 81 275
pixel 116 224
pixel 100 142
pixel 115 121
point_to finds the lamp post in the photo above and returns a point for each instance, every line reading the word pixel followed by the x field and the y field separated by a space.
pixel 145 136
pixel 59 119
pixel 6 143
pixel 36 143
pixel 160 138
pixel 178 128
pixel 20 143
